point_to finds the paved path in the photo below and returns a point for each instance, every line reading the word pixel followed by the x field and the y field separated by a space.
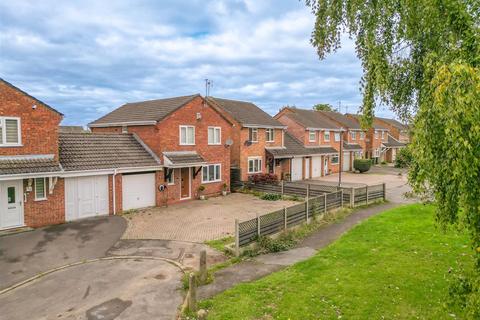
pixel 266 264
pixel 26 254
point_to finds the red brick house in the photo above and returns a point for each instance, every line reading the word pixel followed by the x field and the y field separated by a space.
pixel 314 129
pixel 254 132
pixel 191 139
pixel 49 178
pixel 397 130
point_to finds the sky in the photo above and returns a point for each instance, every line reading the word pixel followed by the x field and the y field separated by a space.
pixel 86 58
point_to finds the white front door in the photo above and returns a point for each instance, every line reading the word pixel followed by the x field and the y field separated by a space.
pixel 11 204
pixel 86 197
pixel 325 165
pixel 346 161
pixel 138 190
pixel 297 169
pixel 307 168
pixel 316 167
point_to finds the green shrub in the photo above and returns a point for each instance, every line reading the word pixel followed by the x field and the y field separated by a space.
pixel 403 158
pixel 271 197
pixel 383 162
pixel 283 242
pixel 362 165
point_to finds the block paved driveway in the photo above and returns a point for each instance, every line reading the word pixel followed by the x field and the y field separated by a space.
pixel 198 221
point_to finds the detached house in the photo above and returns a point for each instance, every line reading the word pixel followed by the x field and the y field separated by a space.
pixel 254 133
pixel 397 130
pixel 49 178
pixel 191 139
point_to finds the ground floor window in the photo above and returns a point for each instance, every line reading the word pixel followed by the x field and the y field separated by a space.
pixel 334 159
pixel 211 173
pixel 254 165
pixel 40 189
pixel 358 154
pixel 171 176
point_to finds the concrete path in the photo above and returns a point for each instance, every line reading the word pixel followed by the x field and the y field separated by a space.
pixel 263 265
pixel 26 254
pixel 111 289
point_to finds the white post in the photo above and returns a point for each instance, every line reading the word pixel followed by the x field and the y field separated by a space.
pixel 237 239
pixel 384 192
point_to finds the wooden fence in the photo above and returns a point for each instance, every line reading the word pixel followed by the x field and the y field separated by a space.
pixel 247 232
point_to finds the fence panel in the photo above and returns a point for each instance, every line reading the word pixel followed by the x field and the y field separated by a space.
pixel 334 200
pixel 247 231
pixel 272 223
pixel 296 214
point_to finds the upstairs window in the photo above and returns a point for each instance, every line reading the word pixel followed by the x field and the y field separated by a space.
pixel 10 132
pixel 353 135
pixel 337 136
pixel 383 135
pixel 269 135
pixel 214 135
pixel 311 136
pixel 376 134
pixel 253 134
pixel 362 135
pixel 187 135
pixel 326 136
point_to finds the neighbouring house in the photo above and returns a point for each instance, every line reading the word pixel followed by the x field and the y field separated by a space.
pixel 47 177
pixel 398 130
pixel 313 129
pixel 254 133
pixel 72 129
pixel 191 139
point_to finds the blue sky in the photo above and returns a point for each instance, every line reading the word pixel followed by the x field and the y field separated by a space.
pixel 86 58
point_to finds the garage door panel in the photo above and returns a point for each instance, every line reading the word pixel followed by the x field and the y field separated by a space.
pixel 86 197
pixel 316 167
pixel 346 161
pixel 138 191
pixel 297 169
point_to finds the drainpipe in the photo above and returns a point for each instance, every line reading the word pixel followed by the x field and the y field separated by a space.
pixel 114 191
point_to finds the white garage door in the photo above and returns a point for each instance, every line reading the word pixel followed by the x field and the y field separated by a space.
pixel 316 167
pixel 297 169
pixel 86 197
pixel 346 161
pixel 138 190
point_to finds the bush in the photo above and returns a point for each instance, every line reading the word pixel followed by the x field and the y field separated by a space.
pixel 271 197
pixel 362 165
pixel 383 162
pixel 403 158
pixel 263 178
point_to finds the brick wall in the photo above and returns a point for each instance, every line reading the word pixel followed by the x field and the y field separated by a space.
pixel 45 212
pixel 39 126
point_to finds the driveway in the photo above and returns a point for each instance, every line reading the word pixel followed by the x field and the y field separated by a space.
pixel 198 221
pixel 395 180
pixel 111 289
pixel 25 254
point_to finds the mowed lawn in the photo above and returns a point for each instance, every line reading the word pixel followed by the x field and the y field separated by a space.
pixel 393 266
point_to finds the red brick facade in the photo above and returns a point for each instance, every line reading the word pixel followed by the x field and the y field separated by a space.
pixel 48 211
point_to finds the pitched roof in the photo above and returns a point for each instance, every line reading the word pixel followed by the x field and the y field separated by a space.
pixel 293 147
pixel 351 146
pixel 392 143
pixel 183 158
pixel 247 113
pixel 143 111
pixel 346 122
pixel 312 119
pixel 28 164
pixel 395 123
pixel 31 97
pixel 375 124
pixel 94 151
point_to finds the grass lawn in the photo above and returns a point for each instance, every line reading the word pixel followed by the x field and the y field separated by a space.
pixel 393 266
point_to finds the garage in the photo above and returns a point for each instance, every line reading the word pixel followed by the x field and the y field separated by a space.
pixel 346 161
pixel 316 167
pixel 138 190
pixel 86 197
pixel 297 166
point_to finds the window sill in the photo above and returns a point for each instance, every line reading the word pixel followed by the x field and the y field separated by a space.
pixel 214 144
pixel 187 144
pixel 40 199
pixel 10 145
pixel 208 182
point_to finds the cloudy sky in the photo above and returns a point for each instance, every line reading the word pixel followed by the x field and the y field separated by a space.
pixel 86 58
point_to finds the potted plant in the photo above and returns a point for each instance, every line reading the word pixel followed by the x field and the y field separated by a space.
pixel 224 189
pixel 201 188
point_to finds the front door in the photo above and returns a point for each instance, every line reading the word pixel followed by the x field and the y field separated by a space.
pixel 11 204
pixel 185 183
pixel 325 165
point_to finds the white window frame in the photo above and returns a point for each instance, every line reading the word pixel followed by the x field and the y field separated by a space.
pixel 376 153
pixel 186 135
pixel 383 135
pixel 333 157
pixel 37 198
pixel 250 134
pixel 216 143
pixel 336 136
pixel 217 167
pixel 325 136
pixel 260 163
pixel 376 134
pixel 270 137
pixel 3 137
pixel 362 135
pixel 310 132
pixel 353 135
pixel 172 178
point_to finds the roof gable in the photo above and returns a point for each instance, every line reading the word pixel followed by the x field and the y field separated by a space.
pixel 394 123
pixel 311 119
pixel 11 86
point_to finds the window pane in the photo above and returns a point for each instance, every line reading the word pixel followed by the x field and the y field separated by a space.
pixel 217 135
pixel 190 136
pixel 183 135
pixel 205 173
pixel 210 135
pixel 250 165
pixel 11 195
pixel 40 188
pixel 217 172
pixel 11 129
pixel 211 173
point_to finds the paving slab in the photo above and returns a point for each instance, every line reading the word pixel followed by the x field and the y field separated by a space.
pixel 113 289
pixel 287 258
